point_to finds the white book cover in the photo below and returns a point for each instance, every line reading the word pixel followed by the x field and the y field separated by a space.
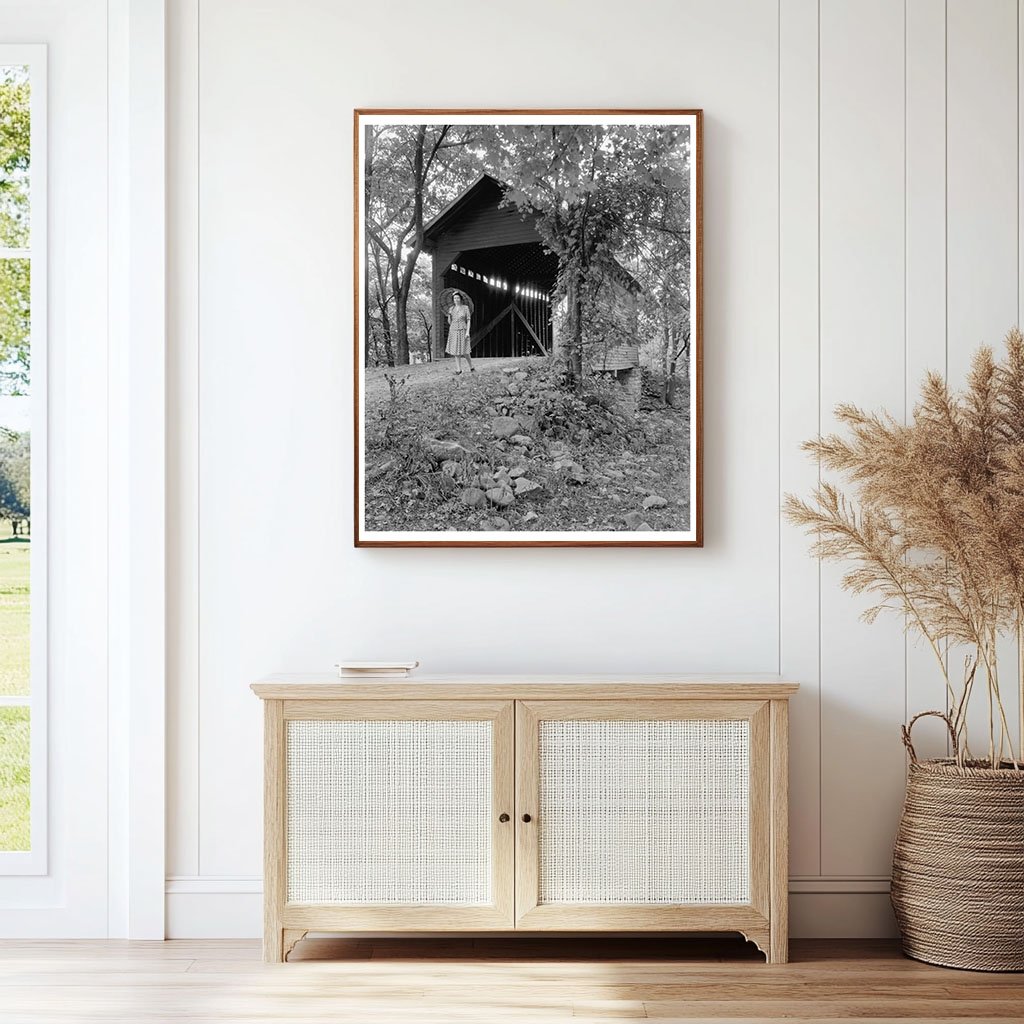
pixel 357 669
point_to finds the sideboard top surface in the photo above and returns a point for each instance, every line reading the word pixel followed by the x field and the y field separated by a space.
pixel 667 686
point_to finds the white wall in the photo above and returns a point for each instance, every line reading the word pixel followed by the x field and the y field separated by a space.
pixel 90 868
pixel 861 223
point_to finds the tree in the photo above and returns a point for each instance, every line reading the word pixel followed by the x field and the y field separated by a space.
pixel 15 277
pixel 15 480
pixel 594 190
pixel 409 172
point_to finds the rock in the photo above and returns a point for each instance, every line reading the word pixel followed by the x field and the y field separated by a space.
pixel 645 526
pixel 575 472
pixel 615 499
pixel 513 388
pixel 633 519
pixel 443 450
pixel 497 523
pixel 448 484
pixel 521 375
pixel 524 439
pixel 500 496
pixel 615 474
pixel 452 468
pixel 654 501
pixel 524 486
pixel 517 471
pixel 473 497
pixel 487 481
pixel 530 516
pixel 504 426
pixel 380 470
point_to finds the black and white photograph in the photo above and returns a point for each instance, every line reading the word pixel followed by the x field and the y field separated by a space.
pixel 528 328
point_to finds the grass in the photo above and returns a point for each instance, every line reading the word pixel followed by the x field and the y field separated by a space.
pixel 14 615
pixel 14 779
pixel 14 682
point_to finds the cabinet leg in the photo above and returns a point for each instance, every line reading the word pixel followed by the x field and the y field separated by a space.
pixel 290 937
pixel 778 952
pixel 760 937
pixel 279 942
pixel 273 944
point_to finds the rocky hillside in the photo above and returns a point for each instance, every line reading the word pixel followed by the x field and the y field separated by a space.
pixel 511 449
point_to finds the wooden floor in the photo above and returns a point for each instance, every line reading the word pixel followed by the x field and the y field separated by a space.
pixel 487 980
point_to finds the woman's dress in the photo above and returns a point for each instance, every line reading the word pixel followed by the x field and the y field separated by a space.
pixel 458 333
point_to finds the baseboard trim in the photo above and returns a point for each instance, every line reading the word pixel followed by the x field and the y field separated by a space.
pixel 214 884
pixel 231 907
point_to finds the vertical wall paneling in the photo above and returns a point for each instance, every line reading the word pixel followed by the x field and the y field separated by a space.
pixel 798 409
pixel 925 281
pixel 183 539
pixel 280 585
pixel 892 207
pixel 862 361
pixel 982 218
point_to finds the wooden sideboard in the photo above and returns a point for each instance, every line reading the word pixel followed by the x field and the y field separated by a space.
pixel 516 803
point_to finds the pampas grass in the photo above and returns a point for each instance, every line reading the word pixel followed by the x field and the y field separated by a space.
pixel 934 526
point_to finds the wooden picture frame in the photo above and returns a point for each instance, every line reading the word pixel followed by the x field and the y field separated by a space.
pixel 521 316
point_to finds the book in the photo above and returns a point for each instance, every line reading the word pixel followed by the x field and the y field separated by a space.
pixel 367 669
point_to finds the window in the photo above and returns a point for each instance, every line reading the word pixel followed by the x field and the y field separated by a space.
pixel 22 455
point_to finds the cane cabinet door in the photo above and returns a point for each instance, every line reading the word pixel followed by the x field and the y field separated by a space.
pixel 397 814
pixel 642 815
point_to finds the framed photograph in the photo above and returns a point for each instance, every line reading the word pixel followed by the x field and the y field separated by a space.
pixel 527 328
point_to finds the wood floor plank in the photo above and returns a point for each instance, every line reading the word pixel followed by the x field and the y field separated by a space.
pixel 832 1009
pixel 481 981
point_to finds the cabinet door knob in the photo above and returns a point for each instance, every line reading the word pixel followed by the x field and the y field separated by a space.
pixel 502 818
pixel 527 818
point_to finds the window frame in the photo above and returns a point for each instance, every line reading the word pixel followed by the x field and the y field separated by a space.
pixel 34 861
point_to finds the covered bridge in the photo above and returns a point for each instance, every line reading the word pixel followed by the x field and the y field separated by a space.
pixel 494 254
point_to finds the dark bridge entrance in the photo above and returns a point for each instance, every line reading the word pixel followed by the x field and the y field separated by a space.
pixel 510 286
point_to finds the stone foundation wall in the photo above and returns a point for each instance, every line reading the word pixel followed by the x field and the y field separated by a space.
pixel 629 382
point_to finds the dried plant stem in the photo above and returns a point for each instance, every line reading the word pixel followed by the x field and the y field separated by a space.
pixel 995 701
pixel 1020 680
pixel 960 720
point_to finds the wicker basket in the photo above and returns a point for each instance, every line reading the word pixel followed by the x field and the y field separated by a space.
pixel 958 864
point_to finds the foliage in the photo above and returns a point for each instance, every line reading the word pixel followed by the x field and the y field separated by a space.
pixel 597 192
pixel 14 230
pixel 936 531
pixel 398 436
pixel 15 132
pixel 15 325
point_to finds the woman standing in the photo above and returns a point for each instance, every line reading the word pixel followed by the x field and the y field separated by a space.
pixel 458 333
